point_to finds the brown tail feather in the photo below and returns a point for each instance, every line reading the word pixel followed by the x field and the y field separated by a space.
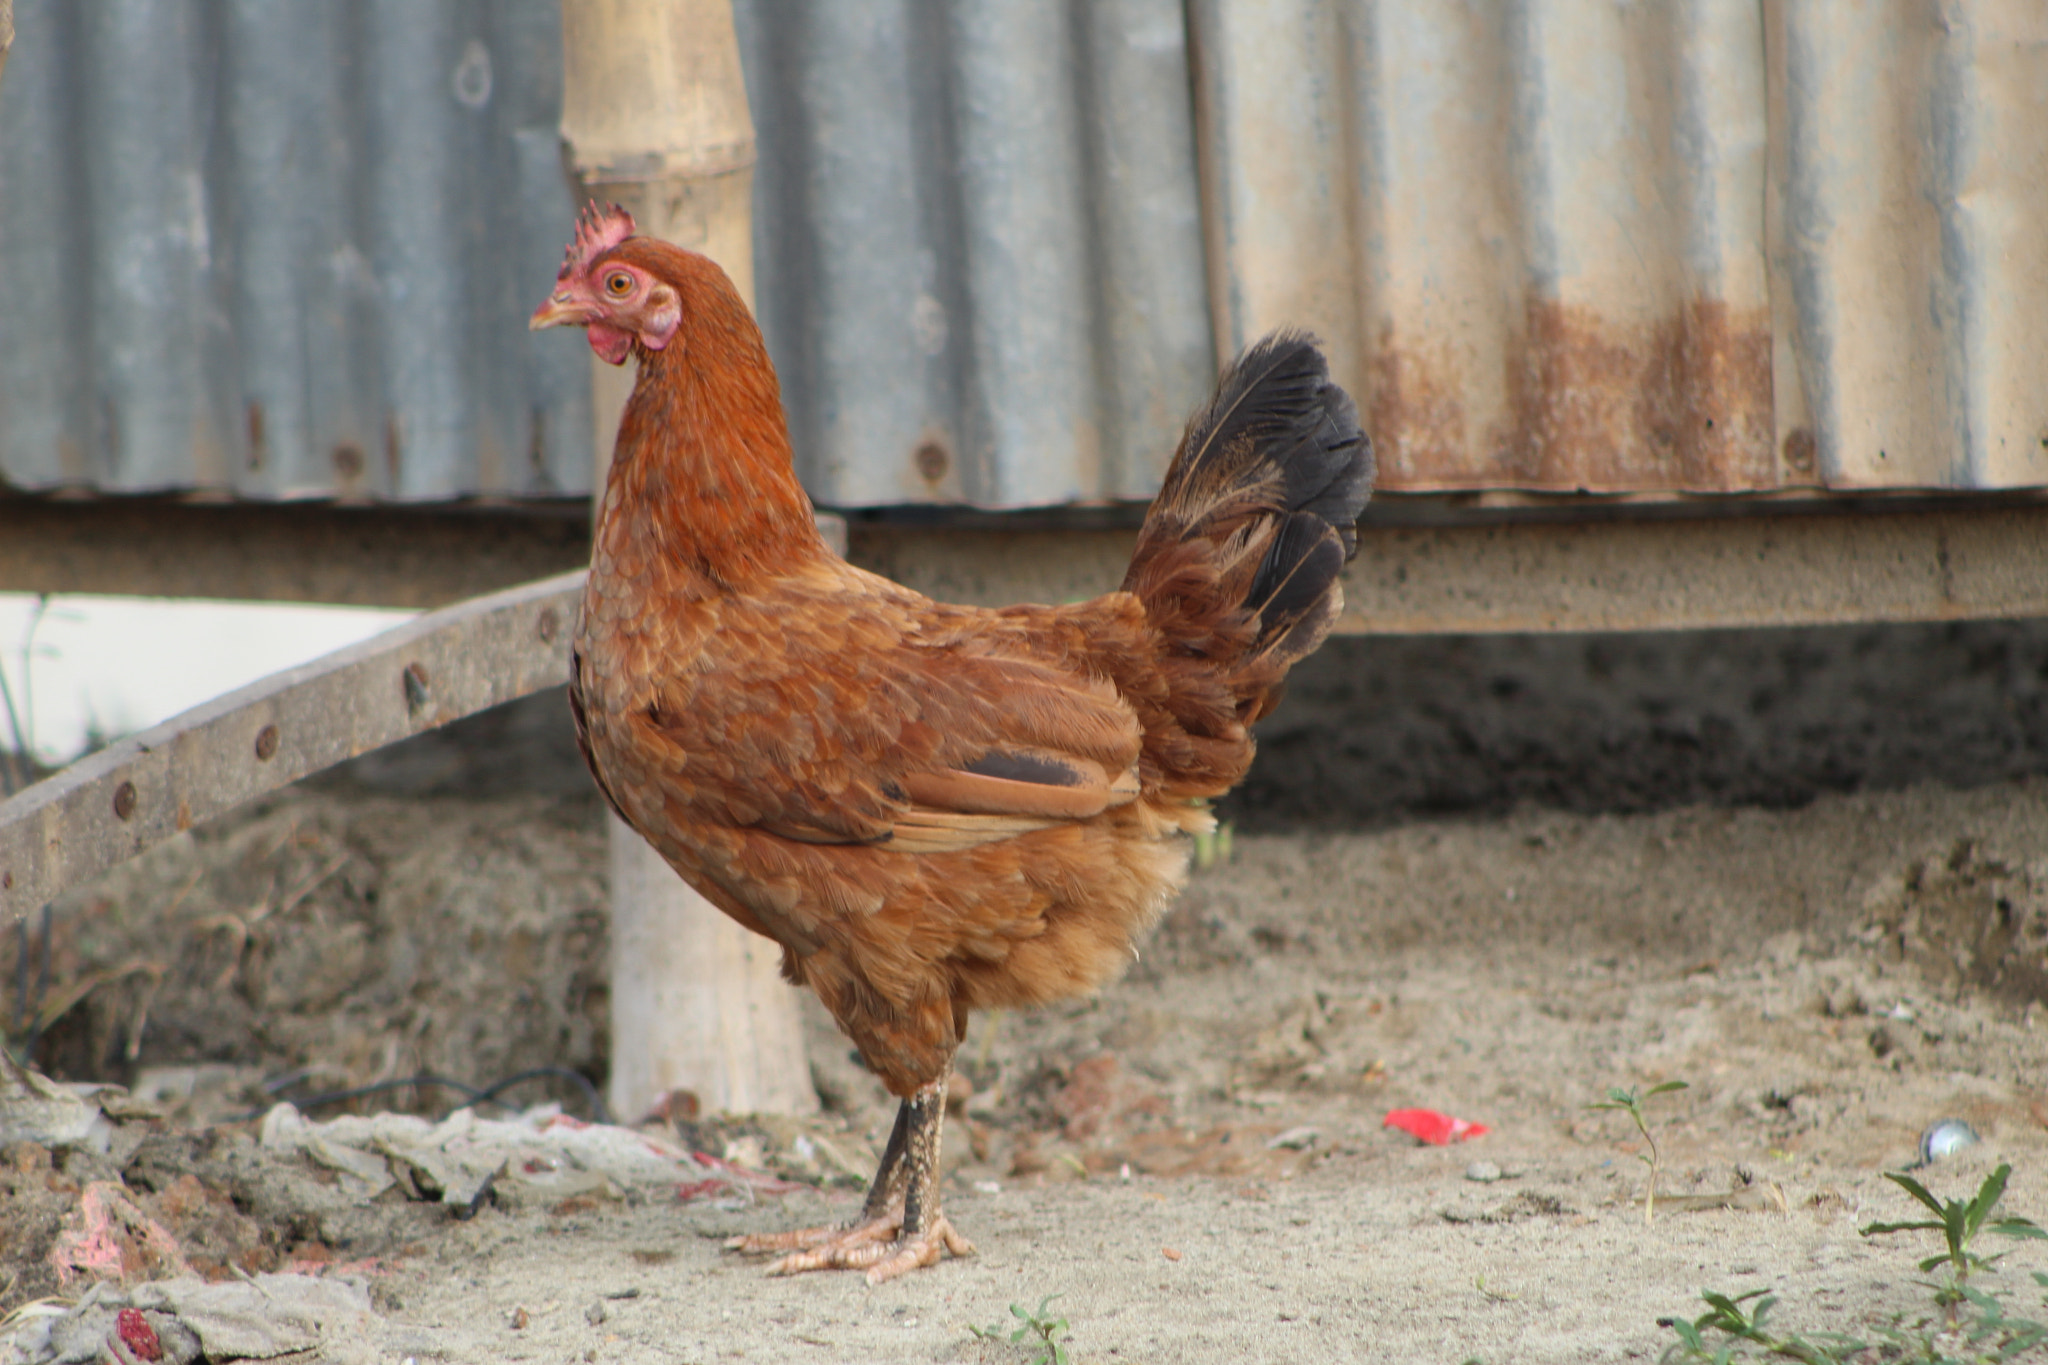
pixel 1238 560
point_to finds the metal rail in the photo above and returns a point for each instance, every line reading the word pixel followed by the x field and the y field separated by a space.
pixel 130 796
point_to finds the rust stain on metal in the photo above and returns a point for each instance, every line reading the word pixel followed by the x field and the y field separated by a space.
pixel 184 816
pixel 416 687
pixel 257 445
pixel 1802 455
pixel 266 744
pixel 348 464
pixel 1683 404
pixel 490 462
pixel 931 460
pixel 124 800
pixel 1416 417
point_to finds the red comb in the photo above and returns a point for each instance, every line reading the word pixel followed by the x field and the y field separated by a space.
pixel 597 231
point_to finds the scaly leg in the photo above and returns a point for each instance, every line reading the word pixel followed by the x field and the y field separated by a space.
pixel 903 1202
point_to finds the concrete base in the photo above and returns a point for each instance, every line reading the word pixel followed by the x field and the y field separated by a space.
pixel 1655 568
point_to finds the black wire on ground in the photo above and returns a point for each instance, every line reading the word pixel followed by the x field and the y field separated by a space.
pixel 600 1112
pixel 474 1094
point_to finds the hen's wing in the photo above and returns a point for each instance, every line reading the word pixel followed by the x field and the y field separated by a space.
pixel 1029 752
pixel 887 721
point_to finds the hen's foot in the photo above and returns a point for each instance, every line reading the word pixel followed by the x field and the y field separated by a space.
pixel 865 1232
pixel 874 1246
pixel 902 1228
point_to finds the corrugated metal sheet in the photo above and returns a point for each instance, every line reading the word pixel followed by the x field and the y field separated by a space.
pixel 286 248
pixel 1914 239
pixel 978 244
pixel 1703 246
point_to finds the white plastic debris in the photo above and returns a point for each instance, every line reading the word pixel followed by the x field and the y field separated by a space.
pixel 186 1319
pixel 541 1154
pixel 34 1108
pixel 261 1317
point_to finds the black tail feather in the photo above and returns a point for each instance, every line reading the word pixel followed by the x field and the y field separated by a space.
pixel 1298 569
pixel 1275 460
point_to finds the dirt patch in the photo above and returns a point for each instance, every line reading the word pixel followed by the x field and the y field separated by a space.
pixel 174 1203
pixel 1828 980
pixel 1380 730
pixel 317 944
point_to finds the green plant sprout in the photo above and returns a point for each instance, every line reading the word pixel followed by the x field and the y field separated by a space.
pixel 1725 1315
pixel 1039 1328
pixel 1630 1103
pixel 1971 1325
pixel 1959 1222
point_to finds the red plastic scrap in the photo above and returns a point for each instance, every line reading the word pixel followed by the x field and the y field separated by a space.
pixel 1435 1128
pixel 742 1175
pixel 701 1189
pixel 137 1335
pixel 567 1121
pixel 727 1176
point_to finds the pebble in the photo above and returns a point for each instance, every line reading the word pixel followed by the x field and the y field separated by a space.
pixel 1485 1172
pixel 1946 1138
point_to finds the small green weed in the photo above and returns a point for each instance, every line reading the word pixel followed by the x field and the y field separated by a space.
pixel 1970 1325
pixel 1726 1317
pixel 1039 1329
pixel 1959 1223
pixel 1631 1103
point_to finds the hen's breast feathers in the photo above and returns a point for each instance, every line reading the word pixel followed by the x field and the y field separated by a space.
pixel 837 708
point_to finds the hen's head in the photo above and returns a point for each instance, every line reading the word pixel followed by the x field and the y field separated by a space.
pixel 603 288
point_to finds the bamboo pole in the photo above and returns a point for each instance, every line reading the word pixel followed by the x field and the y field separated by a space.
pixel 655 118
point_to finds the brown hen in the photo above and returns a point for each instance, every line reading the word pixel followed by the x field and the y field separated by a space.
pixel 933 809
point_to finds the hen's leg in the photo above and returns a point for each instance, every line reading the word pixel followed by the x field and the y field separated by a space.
pixel 904 1201
pixel 926 1232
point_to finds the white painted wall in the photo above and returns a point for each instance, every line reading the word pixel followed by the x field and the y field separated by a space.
pixel 125 663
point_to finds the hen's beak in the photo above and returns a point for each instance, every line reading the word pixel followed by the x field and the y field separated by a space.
pixel 561 310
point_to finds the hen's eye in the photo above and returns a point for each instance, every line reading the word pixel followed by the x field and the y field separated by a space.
pixel 618 284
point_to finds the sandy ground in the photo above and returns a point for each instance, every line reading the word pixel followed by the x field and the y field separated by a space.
pixel 1828 981
pixel 1389 1259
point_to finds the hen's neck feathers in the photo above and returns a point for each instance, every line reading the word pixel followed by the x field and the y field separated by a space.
pixel 701 490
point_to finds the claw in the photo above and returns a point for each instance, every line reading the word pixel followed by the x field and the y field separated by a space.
pixel 925 1251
